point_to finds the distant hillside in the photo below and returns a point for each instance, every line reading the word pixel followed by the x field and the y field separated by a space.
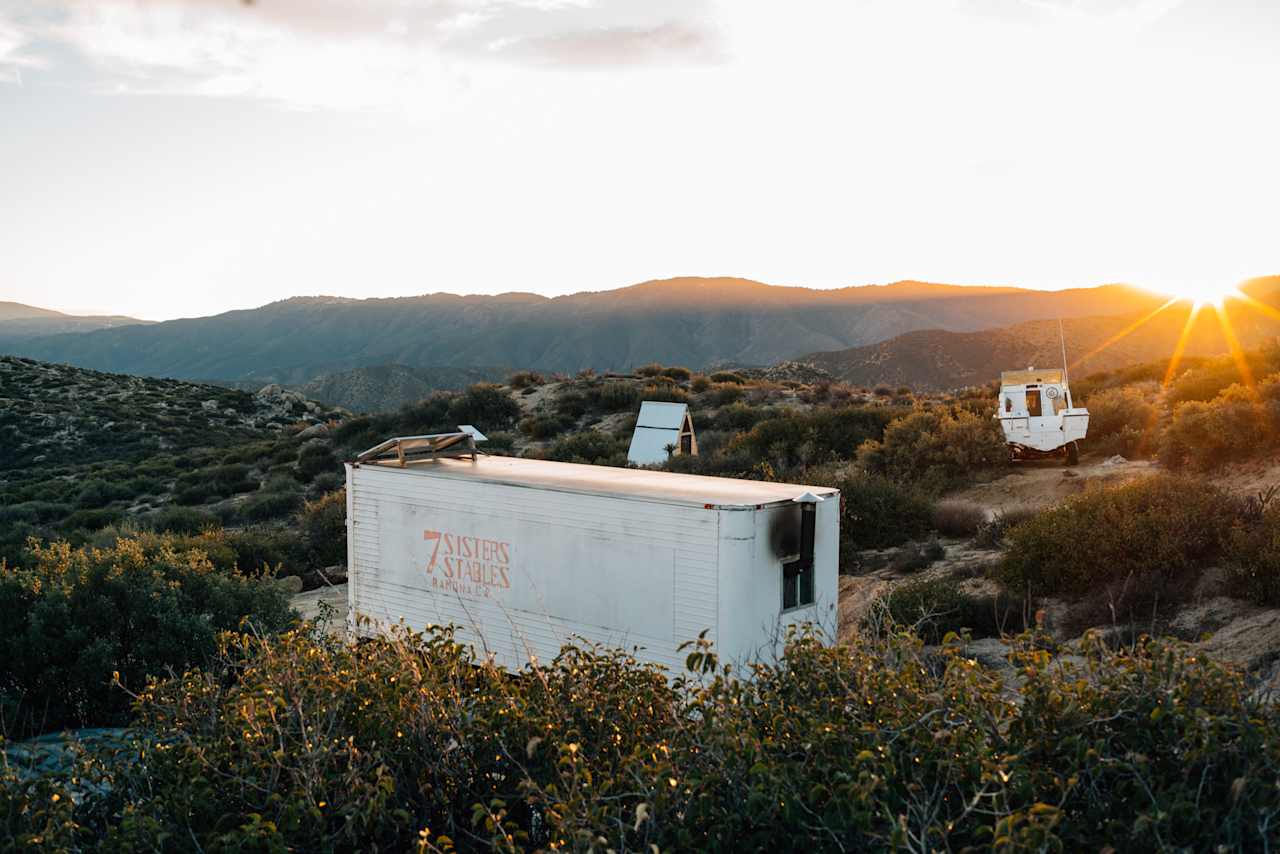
pixel 57 415
pixel 18 322
pixel 384 387
pixel 690 321
pixel 937 359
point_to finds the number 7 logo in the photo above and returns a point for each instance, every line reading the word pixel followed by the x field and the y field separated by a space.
pixel 432 535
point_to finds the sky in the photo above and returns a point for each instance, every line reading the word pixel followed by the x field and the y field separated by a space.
pixel 169 158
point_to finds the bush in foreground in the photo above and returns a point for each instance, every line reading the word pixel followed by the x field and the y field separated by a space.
pixel 412 744
pixel 139 607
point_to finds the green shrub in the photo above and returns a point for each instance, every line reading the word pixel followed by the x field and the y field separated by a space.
pixel 936 606
pixel 268 505
pixel 727 377
pixel 525 379
pixel 328 481
pixel 98 493
pixel 614 396
pixel 812 437
pixel 700 384
pixel 323 526
pixel 260 546
pixel 75 616
pixel 1120 419
pixel 181 520
pixel 667 392
pixel 92 520
pixel 1252 555
pixel 958 518
pixel 196 494
pixel 652 369
pixel 413 744
pixel 725 394
pixel 285 482
pixel 1207 379
pixel 543 426
pixel 876 513
pixel 991 534
pixel 677 373
pixel 571 404
pixel 1235 425
pixel 1148 532
pixel 589 446
pixel 313 459
pixel 485 405
pixel 936 447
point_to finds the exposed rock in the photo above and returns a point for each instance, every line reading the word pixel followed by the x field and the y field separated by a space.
pixel 291 583
pixel 1115 460
pixel 858 594
pixel 1248 642
pixel 314 431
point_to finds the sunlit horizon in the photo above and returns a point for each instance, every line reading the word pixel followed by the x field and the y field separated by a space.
pixel 181 158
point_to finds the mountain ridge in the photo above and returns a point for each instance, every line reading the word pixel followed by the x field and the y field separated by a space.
pixel 693 321
pixel 934 360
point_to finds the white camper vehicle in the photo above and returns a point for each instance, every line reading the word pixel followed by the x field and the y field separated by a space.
pixel 522 555
pixel 1038 417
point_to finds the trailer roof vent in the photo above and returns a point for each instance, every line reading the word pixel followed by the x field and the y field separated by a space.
pixel 404 449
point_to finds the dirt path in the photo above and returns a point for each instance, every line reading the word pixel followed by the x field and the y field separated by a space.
pixel 1034 484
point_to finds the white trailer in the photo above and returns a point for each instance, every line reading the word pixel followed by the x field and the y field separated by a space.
pixel 1038 417
pixel 524 556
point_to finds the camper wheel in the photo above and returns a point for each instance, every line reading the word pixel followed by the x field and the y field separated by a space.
pixel 1073 453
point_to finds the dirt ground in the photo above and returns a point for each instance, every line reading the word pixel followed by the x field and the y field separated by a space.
pixel 1034 484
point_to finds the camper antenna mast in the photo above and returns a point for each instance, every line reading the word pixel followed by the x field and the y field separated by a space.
pixel 1066 382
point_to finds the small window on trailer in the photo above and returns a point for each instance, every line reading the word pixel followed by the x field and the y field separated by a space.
pixel 797 574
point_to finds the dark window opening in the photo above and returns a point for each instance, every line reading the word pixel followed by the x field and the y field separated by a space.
pixel 686 443
pixel 797 575
pixel 1033 402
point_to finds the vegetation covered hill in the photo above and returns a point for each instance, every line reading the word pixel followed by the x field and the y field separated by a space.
pixel 689 321
pixel 19 323
pixel 937 359
pixel 82 451
pixel 384 387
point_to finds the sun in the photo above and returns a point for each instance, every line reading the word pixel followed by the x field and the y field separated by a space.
pixel 1201 293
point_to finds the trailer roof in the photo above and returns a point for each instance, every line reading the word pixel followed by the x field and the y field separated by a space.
pixel 1031 375
pixel 646 484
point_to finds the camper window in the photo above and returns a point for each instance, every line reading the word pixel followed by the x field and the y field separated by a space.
pixel 797 585
pixel 1033 401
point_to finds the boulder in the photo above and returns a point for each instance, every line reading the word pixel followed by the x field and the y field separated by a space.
pixel 314 431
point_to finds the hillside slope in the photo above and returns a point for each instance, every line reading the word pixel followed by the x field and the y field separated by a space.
pixel 56 415
pixel 690 321
pixel 938 359
pixel 18 322
pixel 384 387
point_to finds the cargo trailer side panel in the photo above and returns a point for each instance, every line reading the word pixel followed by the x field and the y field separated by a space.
pixel 753 623
pixel 522 571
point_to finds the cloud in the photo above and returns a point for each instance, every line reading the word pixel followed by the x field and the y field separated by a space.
pixel 349 52
pixel 14 57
